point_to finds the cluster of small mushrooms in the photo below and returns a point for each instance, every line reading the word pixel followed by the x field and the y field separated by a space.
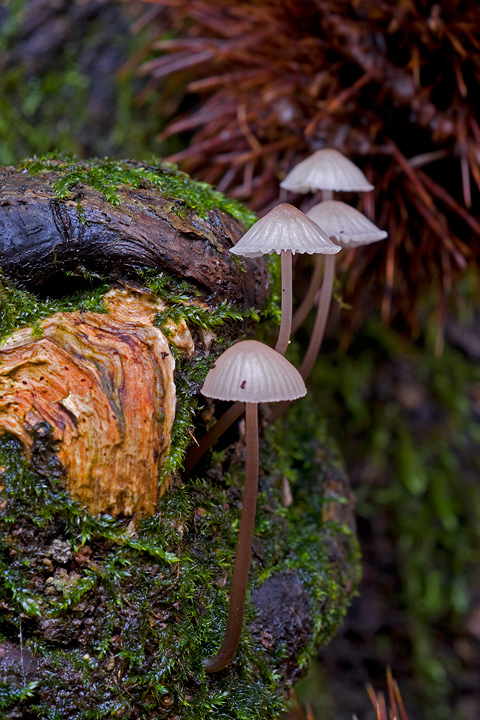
pixel 250 372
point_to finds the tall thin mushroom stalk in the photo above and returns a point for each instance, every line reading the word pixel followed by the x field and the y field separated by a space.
pixel 308 301
pixel 238 591
pixel 321 317
pixel 286 260
pixel 248 372
pixel 211 436
pixel 349 229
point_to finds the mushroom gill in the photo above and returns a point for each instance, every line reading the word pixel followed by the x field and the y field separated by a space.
pixel 104 382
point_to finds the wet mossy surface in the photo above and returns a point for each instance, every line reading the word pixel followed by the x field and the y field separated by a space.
pixel 102 618
pixel 111 218
pixel 107 175
pixel 22 308
pixel 114 621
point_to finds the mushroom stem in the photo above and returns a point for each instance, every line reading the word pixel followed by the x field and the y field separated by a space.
pixel 309 300
pixel 234 412
pixel 238 590
pixel 211 436
pixel 287 302
pixel 317 332
pixel 321 319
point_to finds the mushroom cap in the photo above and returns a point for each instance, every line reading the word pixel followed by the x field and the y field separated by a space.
pixel 252 372
pixel 284 228
pixel 326 169
pixel 345 225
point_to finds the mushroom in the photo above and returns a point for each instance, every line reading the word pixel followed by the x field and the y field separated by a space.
pixel 285 230
pixel 349 229
pixel 248 372
pixel 326 170
pixel 345 225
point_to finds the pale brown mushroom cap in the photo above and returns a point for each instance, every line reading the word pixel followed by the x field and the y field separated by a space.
pixel 252 372
pixel 345 225
pixel 326 169
pixel 284 228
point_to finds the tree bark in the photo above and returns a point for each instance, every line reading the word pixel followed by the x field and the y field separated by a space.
pixel 43 237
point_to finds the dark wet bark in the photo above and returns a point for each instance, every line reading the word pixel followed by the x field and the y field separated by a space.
pixel 42 237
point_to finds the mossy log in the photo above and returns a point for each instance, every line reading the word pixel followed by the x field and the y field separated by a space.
pixel 114 569
pixel 104 381
pixel 115 216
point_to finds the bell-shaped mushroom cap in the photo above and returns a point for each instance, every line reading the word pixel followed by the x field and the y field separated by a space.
pixel 345 225
pixel 284 228
pixel 252 372
pixel 326 169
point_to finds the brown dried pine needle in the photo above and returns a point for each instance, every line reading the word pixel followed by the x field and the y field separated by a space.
pixel 392 85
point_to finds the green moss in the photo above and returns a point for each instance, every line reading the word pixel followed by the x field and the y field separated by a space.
pixel 11 697
pixel 108 176
pixel 180 298
pixel 155 599
pixel 23 102
pixel 158 599
pixel 21 308
pixel 299 450
pixel 51 110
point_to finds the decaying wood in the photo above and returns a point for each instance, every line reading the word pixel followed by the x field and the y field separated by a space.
pixel 104 382
pixel 43 237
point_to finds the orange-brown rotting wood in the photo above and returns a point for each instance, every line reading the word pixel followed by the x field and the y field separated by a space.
pixel 104 382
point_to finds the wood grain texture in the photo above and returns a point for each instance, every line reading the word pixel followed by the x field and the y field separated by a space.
pixel 42 237
pixel 104 382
